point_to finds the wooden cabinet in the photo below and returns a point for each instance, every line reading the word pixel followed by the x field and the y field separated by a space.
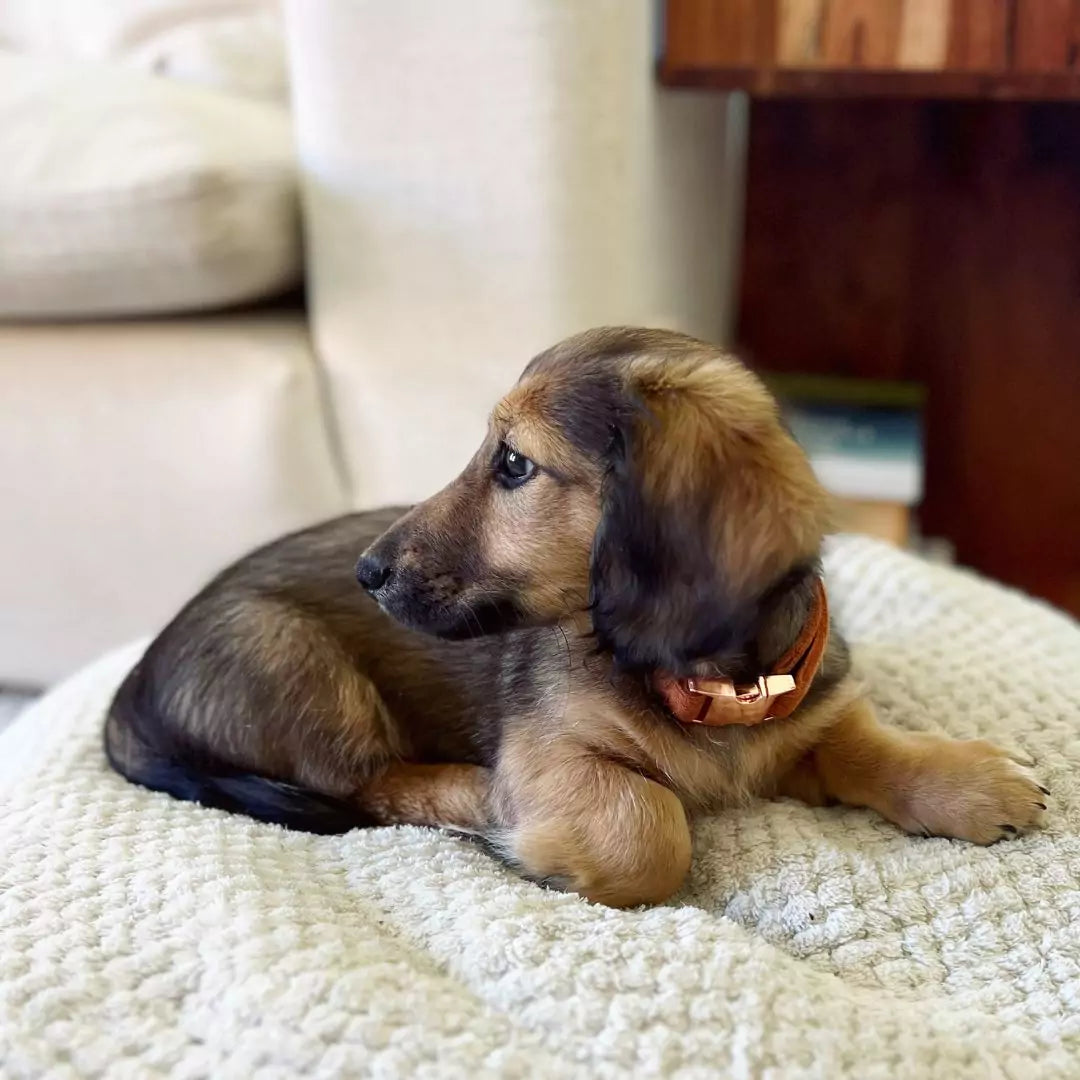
pixel 920 48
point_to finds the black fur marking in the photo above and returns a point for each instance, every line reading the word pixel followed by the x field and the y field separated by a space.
pixel 271 801
pixel 659 594
pixel 591 411
pixel 488 617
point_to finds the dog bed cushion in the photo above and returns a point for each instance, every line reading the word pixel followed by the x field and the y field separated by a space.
pixel 126 194
pixel 141 936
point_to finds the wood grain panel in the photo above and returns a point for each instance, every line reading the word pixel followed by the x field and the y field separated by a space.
pixel 766 32
pixel 799 33
pixel 716 32
pixel 978 31
pixel 1043 30
pixel 924 34
pixel 1072 51
pixel 901 48
pixel 825 275
pixel 856 84
pixel 999 327
pixel 862 33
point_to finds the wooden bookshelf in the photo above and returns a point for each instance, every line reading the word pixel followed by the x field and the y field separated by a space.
pixel 942 49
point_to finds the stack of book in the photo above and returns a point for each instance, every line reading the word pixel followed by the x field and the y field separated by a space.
pixel 864 440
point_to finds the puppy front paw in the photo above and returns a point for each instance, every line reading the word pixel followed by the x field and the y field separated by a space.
pixel 969 790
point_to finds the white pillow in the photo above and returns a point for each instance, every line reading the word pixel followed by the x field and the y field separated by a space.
pixel 124 194
pixel 234 45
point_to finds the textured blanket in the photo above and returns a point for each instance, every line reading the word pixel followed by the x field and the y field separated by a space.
pixel 144 937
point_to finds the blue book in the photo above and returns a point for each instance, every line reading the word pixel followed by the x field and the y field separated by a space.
pixel 861 452
pixel 864 437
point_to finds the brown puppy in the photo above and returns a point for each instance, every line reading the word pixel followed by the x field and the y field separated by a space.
pixel 529 652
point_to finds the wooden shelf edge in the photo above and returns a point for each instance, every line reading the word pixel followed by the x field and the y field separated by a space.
pixel 819 83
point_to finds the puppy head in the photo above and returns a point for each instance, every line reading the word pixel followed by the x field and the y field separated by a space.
pixel 505 544
pixel 643 474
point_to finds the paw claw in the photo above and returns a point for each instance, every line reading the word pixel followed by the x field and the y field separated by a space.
pixel 1044 790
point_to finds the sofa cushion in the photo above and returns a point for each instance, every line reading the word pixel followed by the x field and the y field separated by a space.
pixel 122 193
pixel 136 459
pixel 234 45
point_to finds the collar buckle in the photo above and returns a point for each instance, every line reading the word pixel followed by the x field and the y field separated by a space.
pixel 766 686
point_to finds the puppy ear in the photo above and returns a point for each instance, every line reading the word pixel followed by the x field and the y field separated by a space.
pixel 707 503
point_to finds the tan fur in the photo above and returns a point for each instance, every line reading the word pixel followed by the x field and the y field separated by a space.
pixel 587 822
pixel 970 790
pixel 453 796
pixel 515 538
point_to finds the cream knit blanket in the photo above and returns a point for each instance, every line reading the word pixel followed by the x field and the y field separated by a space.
pixel 144 937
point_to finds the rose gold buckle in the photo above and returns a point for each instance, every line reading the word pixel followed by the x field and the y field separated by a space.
pixel 766 686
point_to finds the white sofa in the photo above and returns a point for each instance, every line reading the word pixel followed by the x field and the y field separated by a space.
pixel 473 189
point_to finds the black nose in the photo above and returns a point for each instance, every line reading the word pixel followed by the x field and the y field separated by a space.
pixel 373 573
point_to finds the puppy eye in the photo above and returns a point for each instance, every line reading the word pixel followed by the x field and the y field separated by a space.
pixel 512 468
